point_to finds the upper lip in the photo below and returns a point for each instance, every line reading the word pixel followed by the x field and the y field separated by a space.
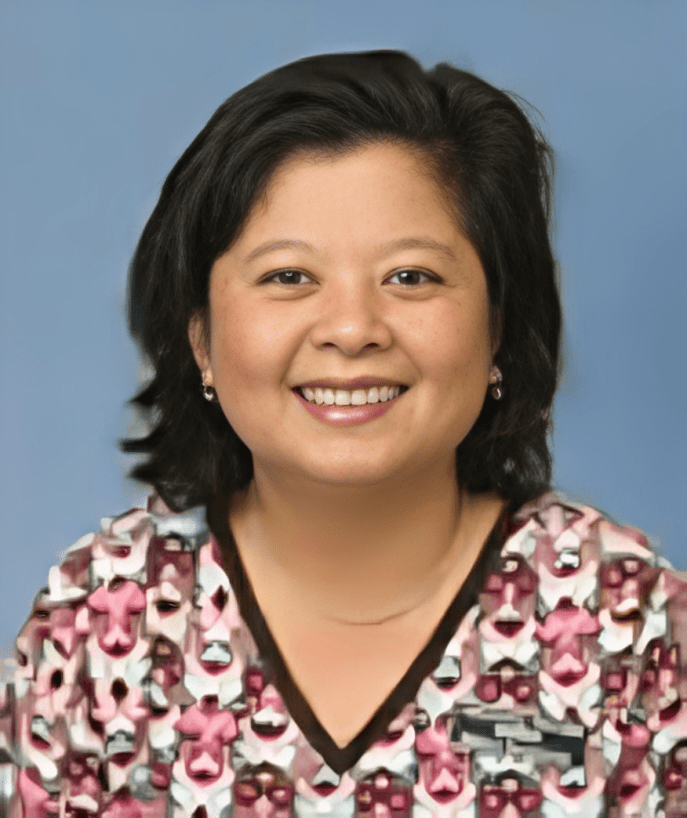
pixel 366 382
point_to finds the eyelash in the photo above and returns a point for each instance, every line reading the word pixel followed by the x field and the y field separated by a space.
pixel 274 277
pixel 427 276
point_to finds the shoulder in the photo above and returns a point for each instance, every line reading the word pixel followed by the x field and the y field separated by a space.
pixel 606 598
pixel 555 518
pixel 581 632
pixel 580 556
pixel 89 682
pixel 564 537
pixel 106 572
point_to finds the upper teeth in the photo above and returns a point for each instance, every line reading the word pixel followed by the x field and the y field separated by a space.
pixel 358 397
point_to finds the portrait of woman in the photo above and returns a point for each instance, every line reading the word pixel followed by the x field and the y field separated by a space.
pixel 353 586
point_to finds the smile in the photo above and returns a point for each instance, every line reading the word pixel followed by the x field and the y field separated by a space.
pixel 356 397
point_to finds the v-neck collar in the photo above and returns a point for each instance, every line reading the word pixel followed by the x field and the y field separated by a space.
pixel 341 759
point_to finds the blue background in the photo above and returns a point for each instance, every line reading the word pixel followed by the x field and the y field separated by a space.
pixel 98 99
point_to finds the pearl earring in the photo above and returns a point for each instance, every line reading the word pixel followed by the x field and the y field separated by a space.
pixel 209 392
pixel 496 379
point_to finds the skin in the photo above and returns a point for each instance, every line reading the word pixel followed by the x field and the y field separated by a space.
pixel 328 530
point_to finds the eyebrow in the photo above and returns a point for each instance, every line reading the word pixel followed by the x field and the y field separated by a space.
pixel 278 244
pixel 410 243
pixel 421 243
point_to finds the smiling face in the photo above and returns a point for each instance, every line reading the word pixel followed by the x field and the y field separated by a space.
pixel 349 335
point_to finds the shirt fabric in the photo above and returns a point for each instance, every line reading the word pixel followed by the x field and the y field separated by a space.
pixel 148 684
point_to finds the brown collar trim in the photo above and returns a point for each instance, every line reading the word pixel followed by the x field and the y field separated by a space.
pixel 338 758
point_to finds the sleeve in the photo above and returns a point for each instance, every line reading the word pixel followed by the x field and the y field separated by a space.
pixel 643 615
pixel 663 693
pixel 73 719
pixel 44 689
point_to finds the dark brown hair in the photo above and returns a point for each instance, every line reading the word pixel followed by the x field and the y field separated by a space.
pixel 494 166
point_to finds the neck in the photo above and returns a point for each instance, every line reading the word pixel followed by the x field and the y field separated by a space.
pixel 359 555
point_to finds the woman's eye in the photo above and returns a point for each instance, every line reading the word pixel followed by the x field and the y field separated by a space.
pixel 289 277
pixel 410 278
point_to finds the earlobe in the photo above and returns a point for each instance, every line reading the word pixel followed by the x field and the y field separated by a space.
pixel 197 337
pixel 496 333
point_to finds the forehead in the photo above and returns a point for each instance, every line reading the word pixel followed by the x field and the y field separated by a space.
pixel 400 157
pixel 379 188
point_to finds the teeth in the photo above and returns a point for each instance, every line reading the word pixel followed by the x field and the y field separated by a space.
pixel 358 397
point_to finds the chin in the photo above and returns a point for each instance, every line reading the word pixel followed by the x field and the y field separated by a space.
pixel 331 465
pixel 349 477
pixel 351 473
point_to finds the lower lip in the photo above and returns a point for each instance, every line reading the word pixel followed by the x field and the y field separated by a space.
pixel 346 415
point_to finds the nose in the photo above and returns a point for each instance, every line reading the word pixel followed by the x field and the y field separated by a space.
pixel 351 318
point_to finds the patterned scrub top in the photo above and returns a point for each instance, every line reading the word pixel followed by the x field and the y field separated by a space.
pixel 147 684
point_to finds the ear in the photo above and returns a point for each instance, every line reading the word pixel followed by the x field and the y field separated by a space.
pixel 496 329
pixel 197 336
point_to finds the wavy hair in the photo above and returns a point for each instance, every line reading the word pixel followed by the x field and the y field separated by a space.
pixel 494 166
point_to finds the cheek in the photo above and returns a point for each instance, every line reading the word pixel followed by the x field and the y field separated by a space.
pixel 458 350
pixel 245 352
pixel 459 330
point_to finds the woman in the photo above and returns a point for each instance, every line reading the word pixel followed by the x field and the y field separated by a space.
pixel 352 593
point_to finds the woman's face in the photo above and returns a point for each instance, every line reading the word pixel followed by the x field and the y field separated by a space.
pixel 350 283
